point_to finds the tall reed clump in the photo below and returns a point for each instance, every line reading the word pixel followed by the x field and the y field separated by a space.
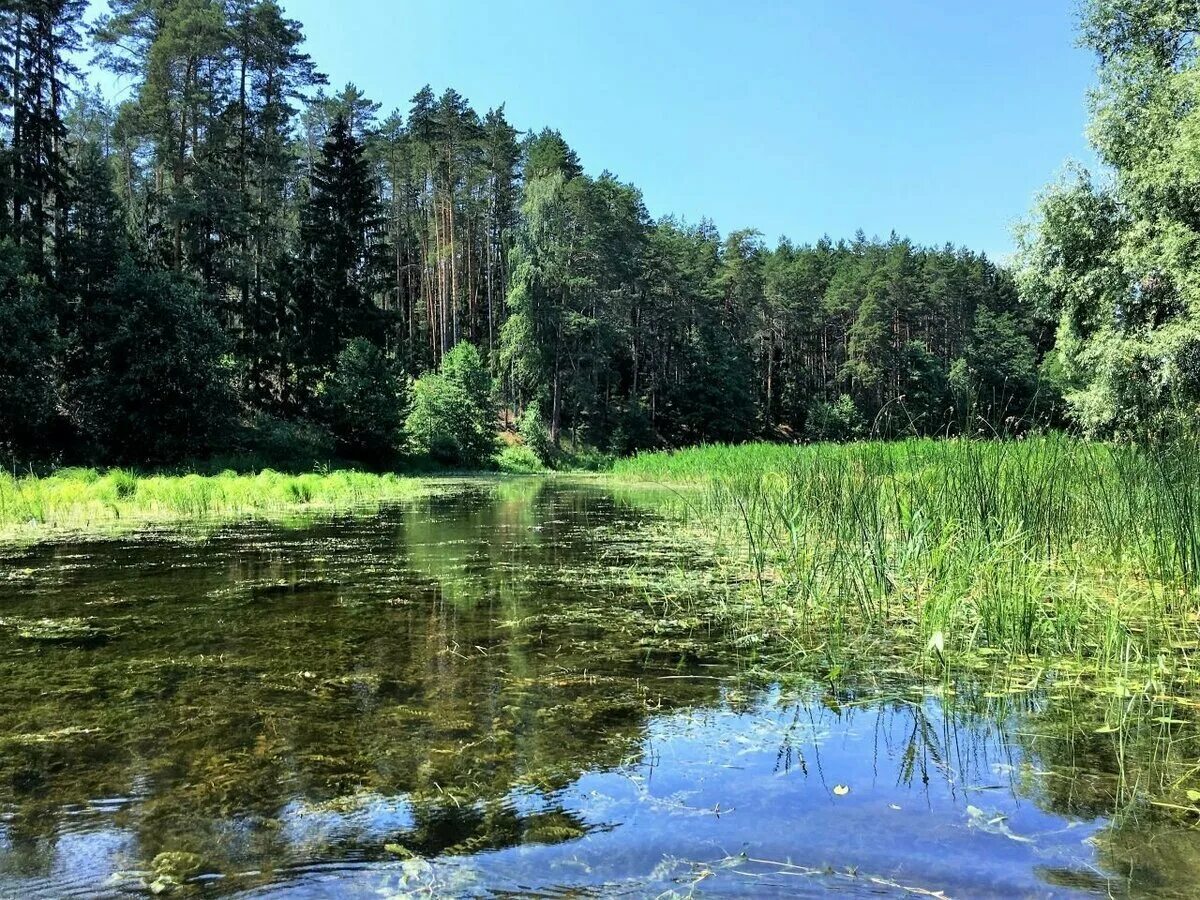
pixel 75 500
pixel 1044 546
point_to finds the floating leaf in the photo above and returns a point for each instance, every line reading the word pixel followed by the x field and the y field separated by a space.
pixel 841 790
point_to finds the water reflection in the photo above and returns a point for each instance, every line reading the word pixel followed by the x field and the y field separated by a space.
pixel 469 694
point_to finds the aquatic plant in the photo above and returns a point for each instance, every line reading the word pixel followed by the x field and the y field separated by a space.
pixel 83 500
pixel 1048 546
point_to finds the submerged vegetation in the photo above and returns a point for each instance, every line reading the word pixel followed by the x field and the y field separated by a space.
pixel 498 686
pixel 1050 547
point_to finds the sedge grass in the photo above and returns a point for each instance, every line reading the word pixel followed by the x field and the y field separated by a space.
pixel 1045 547
pixel 87 501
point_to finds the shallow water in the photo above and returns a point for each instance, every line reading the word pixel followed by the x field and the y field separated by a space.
pixel 476 694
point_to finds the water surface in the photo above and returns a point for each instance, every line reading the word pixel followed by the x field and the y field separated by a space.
pixel 477 693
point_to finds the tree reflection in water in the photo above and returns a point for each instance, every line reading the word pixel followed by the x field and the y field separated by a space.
pixel 471 691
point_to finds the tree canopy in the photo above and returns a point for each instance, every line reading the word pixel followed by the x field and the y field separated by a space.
pixel 1115 257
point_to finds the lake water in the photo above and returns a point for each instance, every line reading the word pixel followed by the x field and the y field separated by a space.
pixel 477 693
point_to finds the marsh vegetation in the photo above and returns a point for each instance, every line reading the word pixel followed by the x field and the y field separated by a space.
pixel 89 503
pixel 1048 547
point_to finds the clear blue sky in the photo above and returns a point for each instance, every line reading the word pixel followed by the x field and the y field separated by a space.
pixel 937 118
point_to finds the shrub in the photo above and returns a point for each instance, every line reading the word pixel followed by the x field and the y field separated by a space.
pixel 836 421
pixel 519 459
pixel 288 444
pixel 634 430
pixel 534 435
pixel 589 459
pixel 151 382
pixel 453 416
pixel 362 401
pixel 28 346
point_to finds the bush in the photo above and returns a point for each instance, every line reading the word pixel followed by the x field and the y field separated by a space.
pixel 534 435
pixel 362 401
pixel 151 380
pixel 293 445
pixel 453 416
pixel 519 459
pixel 589 459
pixel 836 421
pixel 634 430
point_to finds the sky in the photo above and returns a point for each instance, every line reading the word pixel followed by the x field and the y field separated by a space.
pixel 938 119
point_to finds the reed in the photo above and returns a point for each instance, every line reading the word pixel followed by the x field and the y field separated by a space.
pixel 94 502
pixel 1050 546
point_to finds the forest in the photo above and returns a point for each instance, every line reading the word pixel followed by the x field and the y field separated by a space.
pixel 853 566
pixel 237 260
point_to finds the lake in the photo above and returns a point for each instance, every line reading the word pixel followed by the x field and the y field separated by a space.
pixel 483 692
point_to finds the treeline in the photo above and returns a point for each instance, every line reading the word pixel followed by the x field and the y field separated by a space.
pixel 234 260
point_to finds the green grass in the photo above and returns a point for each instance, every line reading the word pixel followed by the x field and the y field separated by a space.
pixel 1046 547
pixel 92 502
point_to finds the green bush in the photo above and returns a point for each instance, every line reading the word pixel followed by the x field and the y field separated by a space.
pixel 634 431
pixel 589 459
pixel 534 435
pixel 362 401
pixel 266 441
pixel 151 382
pixel 519 459
pixel 453 418
pixel 836 421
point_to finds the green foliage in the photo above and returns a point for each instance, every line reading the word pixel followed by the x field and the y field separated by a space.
pixel 453 417
pixel 839 420
pixel 633 430
pixel 363 401
pixel 924 401
pixel 340 251
pixel 28 345
pixel 518 459
pixel 152 381
pixel 534 435
pixel 1117 265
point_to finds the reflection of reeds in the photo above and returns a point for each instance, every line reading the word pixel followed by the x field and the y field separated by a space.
pixel 1049 546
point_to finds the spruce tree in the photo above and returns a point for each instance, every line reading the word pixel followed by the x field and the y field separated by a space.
pixel 342 255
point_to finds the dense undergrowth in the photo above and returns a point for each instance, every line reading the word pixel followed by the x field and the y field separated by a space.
pixel 1045 547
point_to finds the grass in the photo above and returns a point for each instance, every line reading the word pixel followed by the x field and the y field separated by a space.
pixel 1046 547
pixel 89 501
